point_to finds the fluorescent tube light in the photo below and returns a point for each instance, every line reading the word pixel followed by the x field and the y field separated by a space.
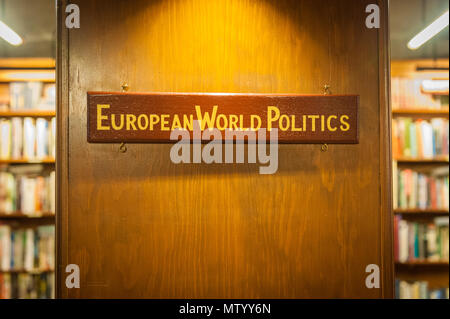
pixel 426 34
pixel 434 86
pixel 9 35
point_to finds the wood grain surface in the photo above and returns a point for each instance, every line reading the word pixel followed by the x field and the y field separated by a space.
pixel 140 226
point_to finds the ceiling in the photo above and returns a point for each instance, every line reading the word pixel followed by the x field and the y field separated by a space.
pixel 409 17
pixel 35 21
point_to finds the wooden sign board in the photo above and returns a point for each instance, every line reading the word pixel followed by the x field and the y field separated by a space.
pixel 150 117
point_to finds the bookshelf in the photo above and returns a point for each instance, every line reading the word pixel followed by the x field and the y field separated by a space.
pixel 50 161
pixel 34 113
pixel 31 272
pixel 423 263
pixel 416 211
pixel 421 113
pixel 409 113
pixel 27 164
pixel 22 216
pixel 422 161
pixel 27 69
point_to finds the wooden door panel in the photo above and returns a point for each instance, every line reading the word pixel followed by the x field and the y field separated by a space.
pixel 141 226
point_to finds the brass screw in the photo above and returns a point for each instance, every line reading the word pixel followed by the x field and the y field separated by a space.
pixel 122 148
pixel 326 90
pixel 125 87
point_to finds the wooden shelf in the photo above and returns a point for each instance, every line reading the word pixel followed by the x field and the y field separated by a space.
pixel 422 68
pixel 421 112
pixel 438 93
pixel 20 215
pixel 409 160
pixel 420 263
pixel 30 113
pixel 27 63
pixel 27 75
pixel 417 211
pixel 29 161
pixel 23 271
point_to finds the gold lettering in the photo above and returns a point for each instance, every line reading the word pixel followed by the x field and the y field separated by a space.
pixel 154 119
pixel 252 122
pixel 284 118
pixel 140 125
pixel 176 124
pixel 272 117
pixel 188 123
pixel 322 123
pixel 113 122
pixel 233 122
pixel 295 129
pixel 165 122
pixel 345 126
pixel 224 120
pixel 329 123
pixel 206 119
pixel 241 123
pixel 131 119
pixel 313 121
pixel 101 117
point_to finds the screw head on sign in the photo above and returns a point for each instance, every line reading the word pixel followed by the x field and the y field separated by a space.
pixel 125 87
pixel 122 148
pixel 324 147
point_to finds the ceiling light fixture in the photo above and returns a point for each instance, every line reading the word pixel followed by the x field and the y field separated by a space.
pixel 9 35
pixel 426 34
pixel 435 86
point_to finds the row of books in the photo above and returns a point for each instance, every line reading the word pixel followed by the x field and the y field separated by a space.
pixel 414 241
pixel 27 249
pixel 30 195
pixel 420 138
pixel 27 286
pixel 32 95
pixel 416 190
pixel 418 290
pixel 408 93
pixel 27 138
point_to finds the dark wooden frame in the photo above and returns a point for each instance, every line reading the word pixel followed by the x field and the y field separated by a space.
pixel 386 215
pixel 62 140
